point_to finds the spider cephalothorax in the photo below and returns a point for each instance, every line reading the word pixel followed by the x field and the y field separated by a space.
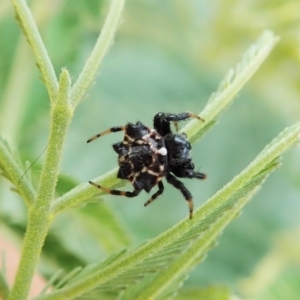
pixel 147 155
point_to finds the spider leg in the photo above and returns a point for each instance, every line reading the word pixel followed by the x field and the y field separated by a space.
pixel 154 196
pixel 193 174
pixel 181 117
pixel 183 173
pixel 110 130
pixel 134 193
pixel 162 121
pixel 185 192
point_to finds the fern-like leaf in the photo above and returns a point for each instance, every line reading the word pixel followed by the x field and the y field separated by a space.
pixel 233 82
pixel 208 222
pixel 169 280
pixel 30 30
pixel 14 172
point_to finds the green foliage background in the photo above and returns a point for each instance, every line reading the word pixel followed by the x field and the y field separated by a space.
pixel 167 56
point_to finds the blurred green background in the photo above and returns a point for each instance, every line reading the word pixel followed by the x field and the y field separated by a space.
pixel 167 56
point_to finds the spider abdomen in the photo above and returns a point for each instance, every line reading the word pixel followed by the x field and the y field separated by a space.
pixel 141 156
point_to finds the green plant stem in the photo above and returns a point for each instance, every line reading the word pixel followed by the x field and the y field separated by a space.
pixel 103 43
pixel 32 34
pixel 39 214
pixel 37 227
pixel 85 191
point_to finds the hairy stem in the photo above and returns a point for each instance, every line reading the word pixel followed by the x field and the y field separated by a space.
pixel 39 214
pixel 102 45
pixel 32 34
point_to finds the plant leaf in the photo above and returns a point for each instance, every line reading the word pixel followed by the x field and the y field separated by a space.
pixel 230 86
pixel 157 253
pixel 168 281
pixel 85 191
pixel 79 273
pixel 30 30
pixel 102 45
pixel 13 171
pixel 98 220
pixel 104 224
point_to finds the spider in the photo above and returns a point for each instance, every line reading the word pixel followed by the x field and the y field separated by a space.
pixel 147 155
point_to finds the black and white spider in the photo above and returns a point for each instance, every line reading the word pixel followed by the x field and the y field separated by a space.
pixel 147 155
